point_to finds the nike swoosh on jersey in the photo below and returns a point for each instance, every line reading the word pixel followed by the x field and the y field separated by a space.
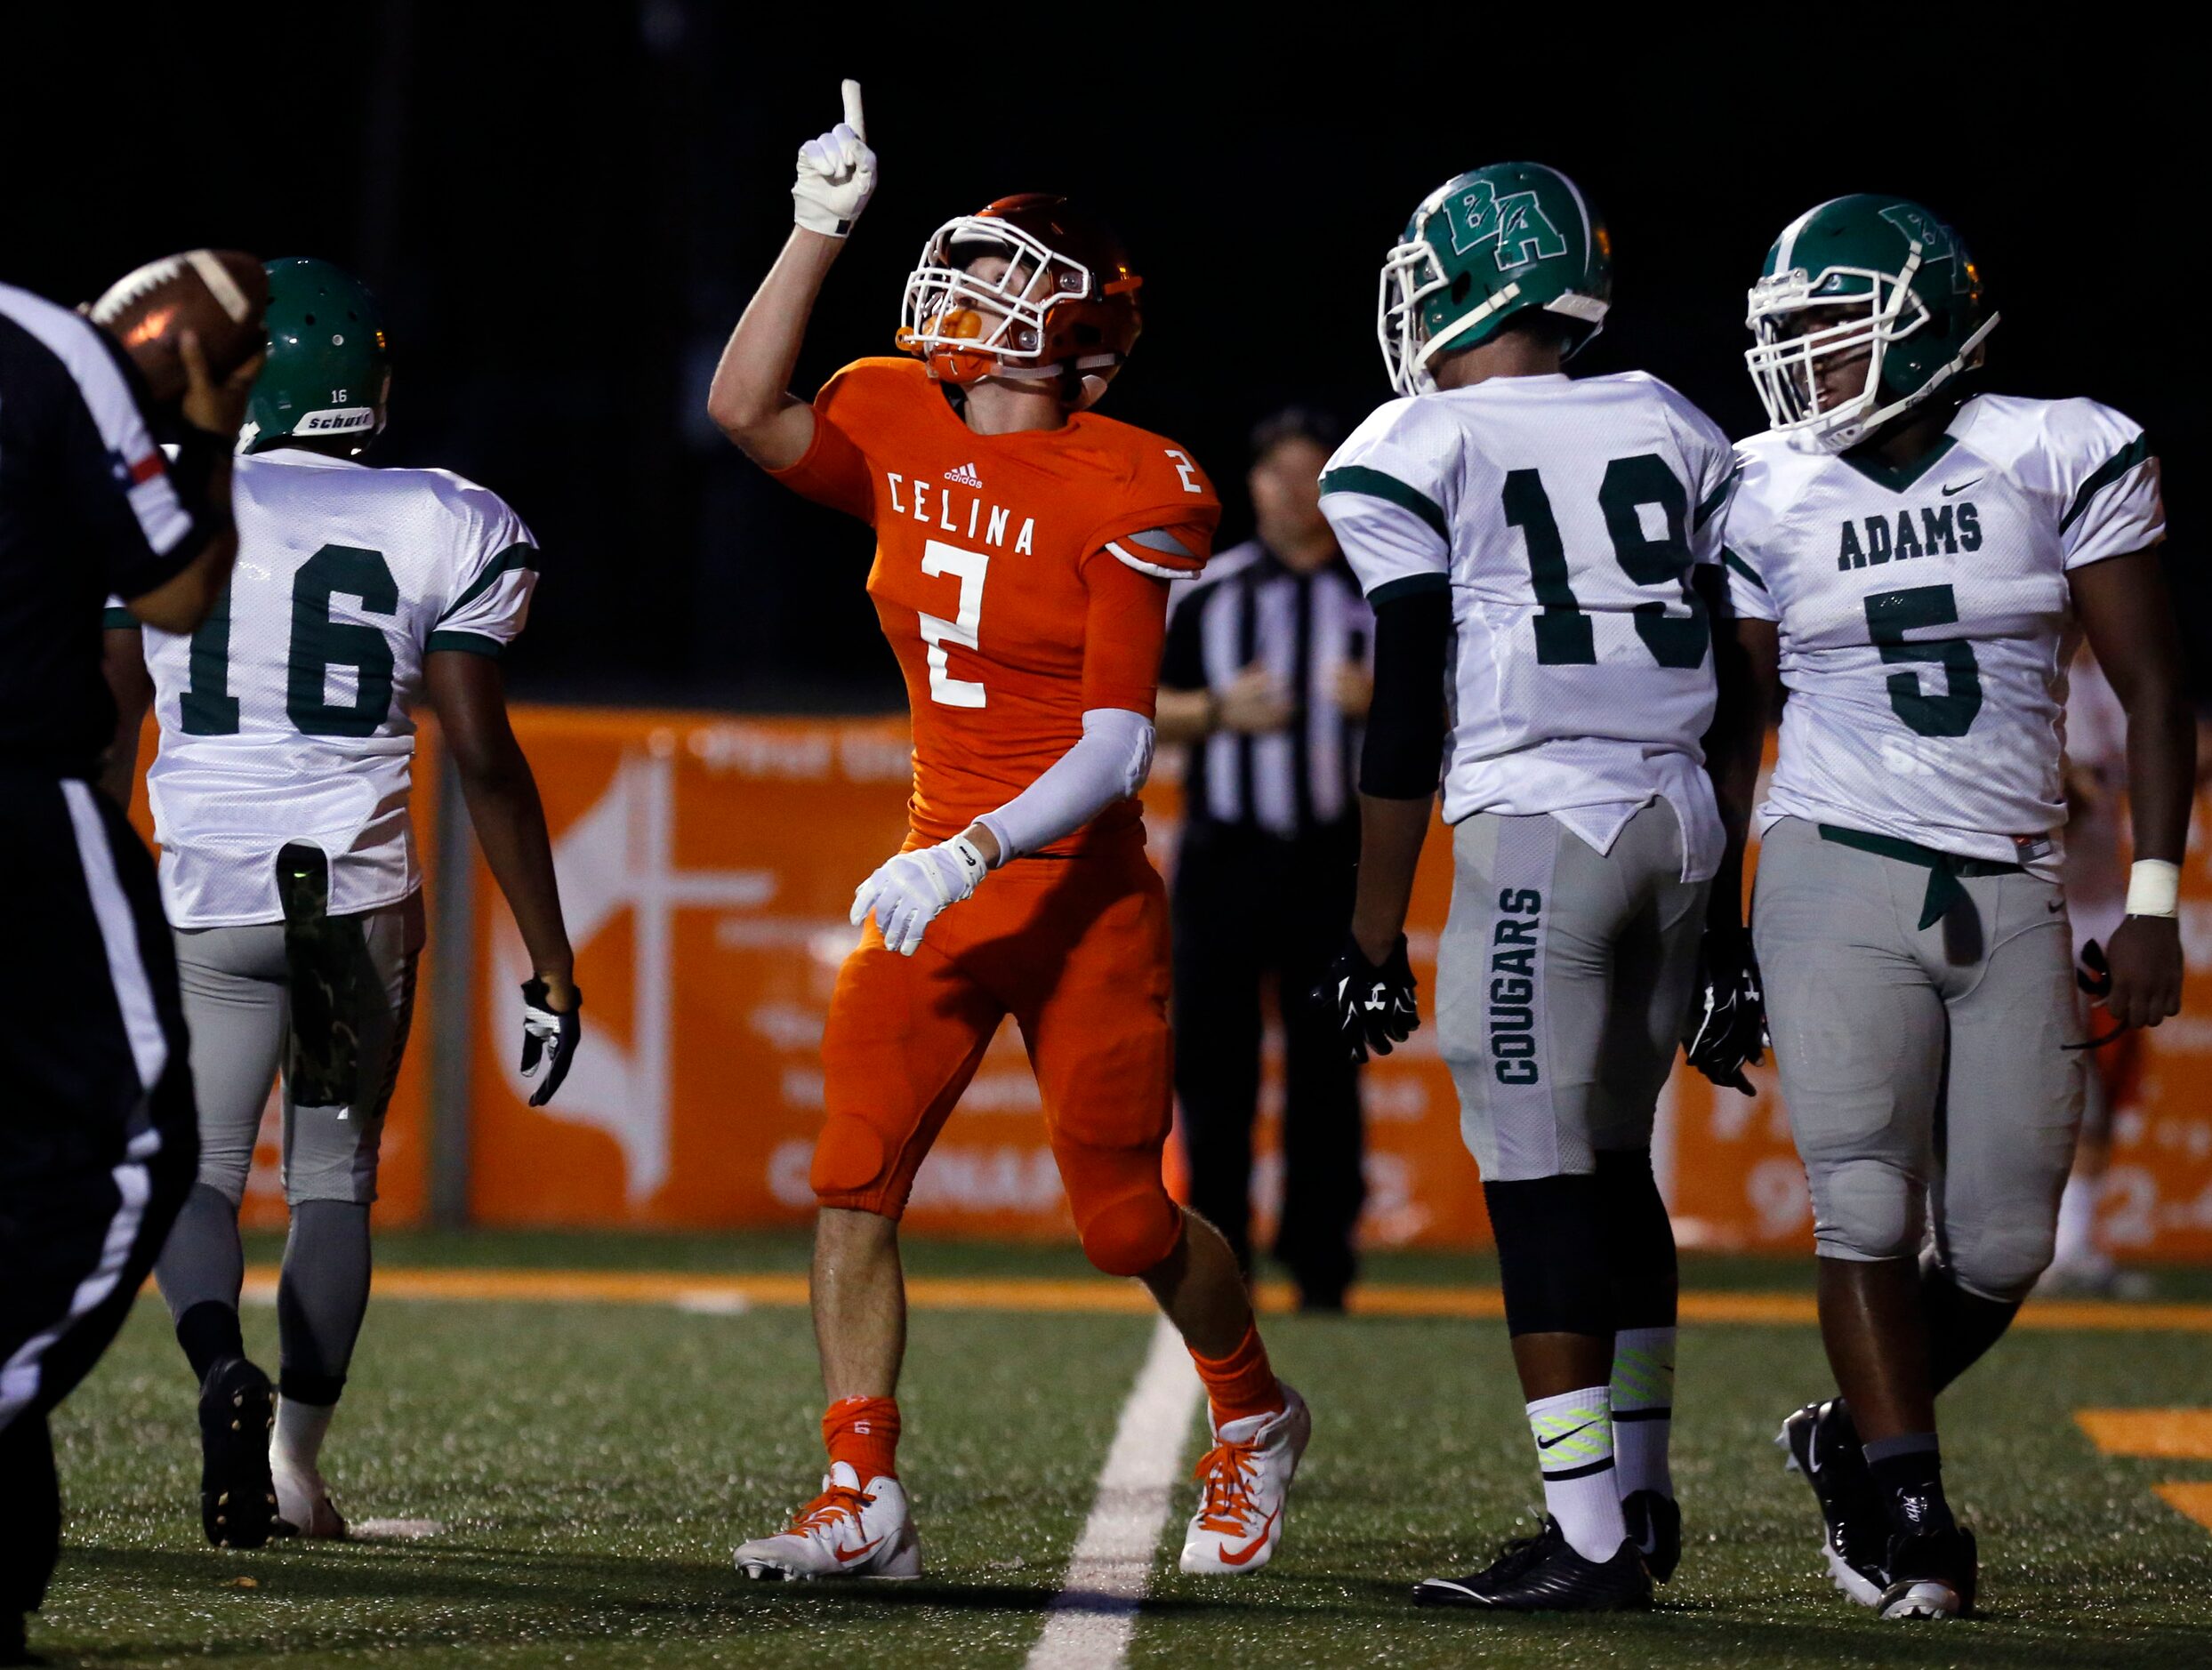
pixel 1961 488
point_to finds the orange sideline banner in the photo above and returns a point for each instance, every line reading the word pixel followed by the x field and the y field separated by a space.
pixel 707 864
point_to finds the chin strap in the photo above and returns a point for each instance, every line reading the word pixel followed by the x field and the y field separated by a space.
pixel 1847 436
pixel 1461 325
pixel 1968 352
pixel 1082 385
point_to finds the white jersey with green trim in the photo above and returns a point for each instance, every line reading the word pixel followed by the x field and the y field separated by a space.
pixel 288 715
pixel 1923 611
pixel 1565 517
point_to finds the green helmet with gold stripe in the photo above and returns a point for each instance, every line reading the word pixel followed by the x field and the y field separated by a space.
pixel 1484 247
pixel 328 373
pixel 1884 282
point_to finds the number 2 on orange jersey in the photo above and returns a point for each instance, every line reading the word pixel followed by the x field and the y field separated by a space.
pixel 938 558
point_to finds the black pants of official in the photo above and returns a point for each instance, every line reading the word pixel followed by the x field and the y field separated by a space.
pixel 1250 905
pixel 97 1140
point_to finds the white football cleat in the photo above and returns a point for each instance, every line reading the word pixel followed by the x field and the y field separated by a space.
pixel 844 1532
pixel 304 1503
pixel 1246 1477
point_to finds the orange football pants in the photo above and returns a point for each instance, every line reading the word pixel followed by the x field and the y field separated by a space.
pixel 1075 949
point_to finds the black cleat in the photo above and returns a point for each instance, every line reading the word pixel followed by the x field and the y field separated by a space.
pixel 1655 1527
pixel 238 1499
pixel 1933 1574
pixel 1823 1445
pixel 1544 1574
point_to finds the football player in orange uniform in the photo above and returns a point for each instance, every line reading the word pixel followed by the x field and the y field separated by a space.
pixel 1024 548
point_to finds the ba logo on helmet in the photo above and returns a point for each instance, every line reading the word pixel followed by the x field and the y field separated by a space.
pixel 1525 233
pixel 1933 237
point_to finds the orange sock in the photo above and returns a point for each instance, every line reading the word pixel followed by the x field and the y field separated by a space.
pixel 1242 1383
pixel 863 1434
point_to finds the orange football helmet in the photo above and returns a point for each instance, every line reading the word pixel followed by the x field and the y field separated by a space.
pixel 1063 304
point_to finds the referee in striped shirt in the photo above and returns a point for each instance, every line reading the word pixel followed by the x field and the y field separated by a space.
pixel 97 1144
pixel 1266 677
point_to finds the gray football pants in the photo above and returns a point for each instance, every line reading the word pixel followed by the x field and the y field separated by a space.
pixel 1923 1068
pixel 1562 984
pixel 335 1021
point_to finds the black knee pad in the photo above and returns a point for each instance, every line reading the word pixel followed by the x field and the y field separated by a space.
pixel 1551 1254
pixel 1639 1239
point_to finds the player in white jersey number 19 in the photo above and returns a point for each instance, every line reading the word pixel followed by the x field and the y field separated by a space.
pixel 1547 548
pixel 288 872
pixel 1910 556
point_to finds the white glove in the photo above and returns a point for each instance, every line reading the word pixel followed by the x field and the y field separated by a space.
pixel 906 893
pixel 836 173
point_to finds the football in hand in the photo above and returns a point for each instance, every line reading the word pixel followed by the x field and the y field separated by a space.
pixel 219 294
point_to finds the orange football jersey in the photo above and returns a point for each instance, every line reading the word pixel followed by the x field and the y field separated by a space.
pixel 1007 576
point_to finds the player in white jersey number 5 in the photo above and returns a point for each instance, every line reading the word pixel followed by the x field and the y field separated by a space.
pixel 288 867
pixel 1908 556
pixel 1546 551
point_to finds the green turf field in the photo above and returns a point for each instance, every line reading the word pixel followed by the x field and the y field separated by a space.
pixel 592 1463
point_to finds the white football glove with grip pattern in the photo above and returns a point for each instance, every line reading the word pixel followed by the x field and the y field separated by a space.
pixel 836 173
pixel 905 895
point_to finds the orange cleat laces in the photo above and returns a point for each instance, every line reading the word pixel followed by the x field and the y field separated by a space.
pixel 838 1502
pixel 1228 1472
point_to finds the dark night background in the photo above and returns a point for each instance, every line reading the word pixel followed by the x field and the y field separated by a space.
pixel 564 210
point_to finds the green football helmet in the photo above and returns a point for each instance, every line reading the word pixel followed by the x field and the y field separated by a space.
pixel 1920 321
pixel 1482 247
pixel 329 367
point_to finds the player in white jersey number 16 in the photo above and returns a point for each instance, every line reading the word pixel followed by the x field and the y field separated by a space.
pixel 289 873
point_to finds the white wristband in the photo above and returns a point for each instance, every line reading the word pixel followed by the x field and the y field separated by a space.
pixel 2153 888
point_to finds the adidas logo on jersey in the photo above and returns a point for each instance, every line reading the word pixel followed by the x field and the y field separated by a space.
pixel 1942 530
pixel 965 475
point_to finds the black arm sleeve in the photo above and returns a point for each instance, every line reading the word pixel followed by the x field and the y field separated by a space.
pixel 1402 755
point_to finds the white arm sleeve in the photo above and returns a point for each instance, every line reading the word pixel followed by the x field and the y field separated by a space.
pixel 1110 763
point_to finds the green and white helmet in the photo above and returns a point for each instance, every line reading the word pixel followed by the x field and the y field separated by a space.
pixel 1482 247
pixel 1917 296
pixel 329 367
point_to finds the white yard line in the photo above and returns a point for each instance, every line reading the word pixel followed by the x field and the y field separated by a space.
pixel 1095 1612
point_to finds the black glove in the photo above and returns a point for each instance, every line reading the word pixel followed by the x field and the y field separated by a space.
pixel 1374 1006
pixel 549 1034
pixel 1727 1023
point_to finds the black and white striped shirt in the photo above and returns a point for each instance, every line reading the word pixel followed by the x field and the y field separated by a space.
pixel 88 508
pixel 1305 629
